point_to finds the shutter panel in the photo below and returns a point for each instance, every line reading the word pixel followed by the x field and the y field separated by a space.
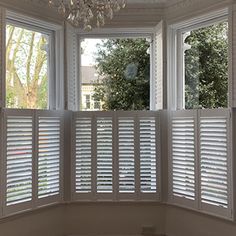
pixel 19 159
pixel 49 153
pixel 83 165
pixel 214 160
pixel 148 171
pixel 104 155
pixel 72 68
pixel 126 155
pixel 183 157
pixel 157 83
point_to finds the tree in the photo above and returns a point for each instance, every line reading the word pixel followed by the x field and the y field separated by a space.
pixel 206 67
pixel 124 66
pixel 26 66
pixel 206 71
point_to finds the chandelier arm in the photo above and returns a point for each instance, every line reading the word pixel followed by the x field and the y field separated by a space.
pixel 87 13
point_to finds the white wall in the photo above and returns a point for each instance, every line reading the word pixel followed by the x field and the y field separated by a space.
pixel 86 219
pixel 42 222
pixel 182 222
pixel 113 218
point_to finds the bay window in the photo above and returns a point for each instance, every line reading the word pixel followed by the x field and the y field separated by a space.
pixel 200 122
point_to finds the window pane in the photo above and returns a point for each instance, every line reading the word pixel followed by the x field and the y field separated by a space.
pixel 27 61
pixel 206 66
pixel 115 74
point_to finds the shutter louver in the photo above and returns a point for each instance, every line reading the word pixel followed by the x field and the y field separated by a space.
pixel 49 142
pixel 19 159
pixel 104 155
pixel 213 160
pixel 83 155
pixel 183 157
pixel 148 170
pixel 126 156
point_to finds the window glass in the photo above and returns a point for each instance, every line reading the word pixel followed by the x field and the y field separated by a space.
pixel 27 68
pixel 205 53
pixel 115 73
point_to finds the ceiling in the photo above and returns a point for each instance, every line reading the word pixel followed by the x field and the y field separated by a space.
pixel 166 2
pixel 138 13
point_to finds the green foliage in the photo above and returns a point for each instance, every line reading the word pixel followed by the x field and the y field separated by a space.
pixel 124 66
pixel 206 71
pixel 206 67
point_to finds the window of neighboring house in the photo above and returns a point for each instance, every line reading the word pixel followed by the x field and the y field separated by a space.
pixel 97 105
pixel 28 66
pixel 116 73
pixel 201 64
pixel 87 102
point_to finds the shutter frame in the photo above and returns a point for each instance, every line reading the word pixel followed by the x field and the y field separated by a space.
pixel 107 120
pixel 123 155
pixel 78 120
pixel 153 119
pixel 49 116
pixel 10 209
pixel 183 115
pixel 223 114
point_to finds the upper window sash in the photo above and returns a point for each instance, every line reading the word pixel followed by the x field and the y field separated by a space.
pixel 55 54
pixel 175 53
pixel 75 36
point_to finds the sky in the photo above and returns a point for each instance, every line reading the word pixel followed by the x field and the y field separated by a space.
pixel 89 46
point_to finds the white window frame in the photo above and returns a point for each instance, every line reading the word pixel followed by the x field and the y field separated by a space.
pixel 175 66
pixel 56 55
pixel 120 33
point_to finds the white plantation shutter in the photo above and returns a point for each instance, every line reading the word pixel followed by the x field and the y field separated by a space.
pixel 83 153
pixel 33 154
pixel 215 159
pixel 126 155
pixel 72 49
pixel 183 156
pixel 201 160
pixel 148 161
pixel 157 81
pixel 116 155
pixel 49 155
pixel 18 159
pixel 104 155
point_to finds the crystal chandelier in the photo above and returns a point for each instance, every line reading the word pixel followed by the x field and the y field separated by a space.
pixel 87 13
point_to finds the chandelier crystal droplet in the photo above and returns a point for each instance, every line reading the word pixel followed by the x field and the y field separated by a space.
pixel 87 13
